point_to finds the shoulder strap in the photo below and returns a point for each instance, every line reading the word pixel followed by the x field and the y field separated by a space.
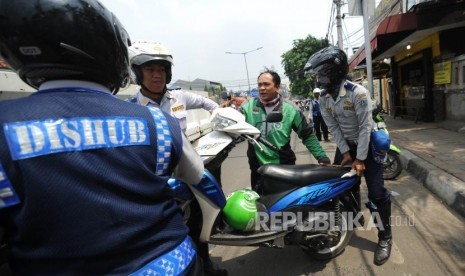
pixel 164 141
pixel 8 196
pixel 350 85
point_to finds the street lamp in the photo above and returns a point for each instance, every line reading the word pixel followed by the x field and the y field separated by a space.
pixel 245 60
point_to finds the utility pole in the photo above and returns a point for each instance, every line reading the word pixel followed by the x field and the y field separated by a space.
pixel 368 59
pixel 245 60
pixel 339 24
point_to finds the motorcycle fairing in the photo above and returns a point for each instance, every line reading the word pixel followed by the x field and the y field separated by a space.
pixel 313 195
pixel 208 186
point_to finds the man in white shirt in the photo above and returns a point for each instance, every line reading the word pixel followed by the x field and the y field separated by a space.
pixel 151 64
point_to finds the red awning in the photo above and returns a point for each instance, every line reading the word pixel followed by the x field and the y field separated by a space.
pixel 390 31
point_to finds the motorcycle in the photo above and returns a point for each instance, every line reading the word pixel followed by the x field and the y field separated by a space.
pixel 392 167
pixel 316 206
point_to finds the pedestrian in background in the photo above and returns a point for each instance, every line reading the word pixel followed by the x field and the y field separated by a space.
pixel 316 118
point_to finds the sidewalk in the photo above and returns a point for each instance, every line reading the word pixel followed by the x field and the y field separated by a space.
pixel 434 153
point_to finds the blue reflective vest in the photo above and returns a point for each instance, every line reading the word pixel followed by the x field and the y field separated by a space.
pixel 92 199
pixel 316 108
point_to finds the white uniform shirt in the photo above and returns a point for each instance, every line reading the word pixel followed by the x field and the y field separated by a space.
pixel 177 102
pixel 349 117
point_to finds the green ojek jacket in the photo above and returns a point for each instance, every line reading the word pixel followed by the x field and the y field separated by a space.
pixel 279 134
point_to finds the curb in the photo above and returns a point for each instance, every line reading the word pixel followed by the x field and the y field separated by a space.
pixel 447 187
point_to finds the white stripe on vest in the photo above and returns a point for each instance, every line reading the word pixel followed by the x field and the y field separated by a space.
pixel 164 141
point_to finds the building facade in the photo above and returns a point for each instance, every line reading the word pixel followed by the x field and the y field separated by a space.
pixel 424 49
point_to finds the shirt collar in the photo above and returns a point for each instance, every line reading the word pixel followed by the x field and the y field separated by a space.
pixel 342 91
pixel 73 83
pixel 143 100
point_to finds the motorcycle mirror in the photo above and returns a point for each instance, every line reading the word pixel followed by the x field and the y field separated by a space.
pixel 274 117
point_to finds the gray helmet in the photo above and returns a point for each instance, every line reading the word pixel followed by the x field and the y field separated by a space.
pixel 70 39
pixel 330 62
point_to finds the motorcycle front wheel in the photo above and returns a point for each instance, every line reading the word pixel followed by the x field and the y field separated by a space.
pixel 327 253
pixel 393 166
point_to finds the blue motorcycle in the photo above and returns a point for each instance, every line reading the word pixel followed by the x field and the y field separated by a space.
pixel 311 206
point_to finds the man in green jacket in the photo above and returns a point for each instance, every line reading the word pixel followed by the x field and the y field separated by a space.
pixel 279 134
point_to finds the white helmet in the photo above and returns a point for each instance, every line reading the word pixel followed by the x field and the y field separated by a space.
pixel 317 90
pixel 141 52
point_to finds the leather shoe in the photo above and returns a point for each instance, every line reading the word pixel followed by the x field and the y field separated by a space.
pixel 210 269
pixel 383 251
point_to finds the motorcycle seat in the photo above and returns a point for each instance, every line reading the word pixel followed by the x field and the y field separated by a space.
pixel 279 178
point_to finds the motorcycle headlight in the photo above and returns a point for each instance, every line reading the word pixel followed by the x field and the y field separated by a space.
pixel 219 122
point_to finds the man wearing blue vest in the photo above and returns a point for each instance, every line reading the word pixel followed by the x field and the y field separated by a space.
pixel 315 117
pixel 82 174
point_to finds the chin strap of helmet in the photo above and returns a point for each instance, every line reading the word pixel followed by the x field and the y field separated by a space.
pixel 158 100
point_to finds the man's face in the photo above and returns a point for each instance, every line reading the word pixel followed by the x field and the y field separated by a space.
pixel 323 78
pixel 267 89
pixel 154 78
pixel 316 95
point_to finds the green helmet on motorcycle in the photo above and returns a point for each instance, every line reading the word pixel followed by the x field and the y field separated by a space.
pixel 240 211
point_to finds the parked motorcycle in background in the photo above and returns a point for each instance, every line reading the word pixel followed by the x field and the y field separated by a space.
pixel 392 167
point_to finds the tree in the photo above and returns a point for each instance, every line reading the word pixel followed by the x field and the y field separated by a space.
pixel 294 61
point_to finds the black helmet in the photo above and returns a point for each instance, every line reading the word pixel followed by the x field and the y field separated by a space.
pixel 329 62
pixel 70 39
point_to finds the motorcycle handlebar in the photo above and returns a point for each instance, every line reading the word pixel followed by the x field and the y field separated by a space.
pixel 267 143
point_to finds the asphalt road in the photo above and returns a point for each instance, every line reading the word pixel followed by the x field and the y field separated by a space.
pixel 428 237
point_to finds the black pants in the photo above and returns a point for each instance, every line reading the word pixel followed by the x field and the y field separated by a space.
pixel 320 126
pixel 253 165
pixel 373 175
pixel 255 177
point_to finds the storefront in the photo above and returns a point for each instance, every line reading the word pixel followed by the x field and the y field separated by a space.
pixel 420 58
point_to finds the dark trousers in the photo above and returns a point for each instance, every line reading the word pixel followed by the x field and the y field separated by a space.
pixel 195 268
pixel 256 180
pixel 253 165
pixel 320 126
pixel 373 174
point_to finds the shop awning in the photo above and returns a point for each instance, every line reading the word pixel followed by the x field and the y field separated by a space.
pixel 390 31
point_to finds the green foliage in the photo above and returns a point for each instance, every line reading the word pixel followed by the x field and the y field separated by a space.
pixel 294 61
pixel 222 88
pixel 190 87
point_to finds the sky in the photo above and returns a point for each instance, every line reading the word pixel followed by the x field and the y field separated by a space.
pixel 199 32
